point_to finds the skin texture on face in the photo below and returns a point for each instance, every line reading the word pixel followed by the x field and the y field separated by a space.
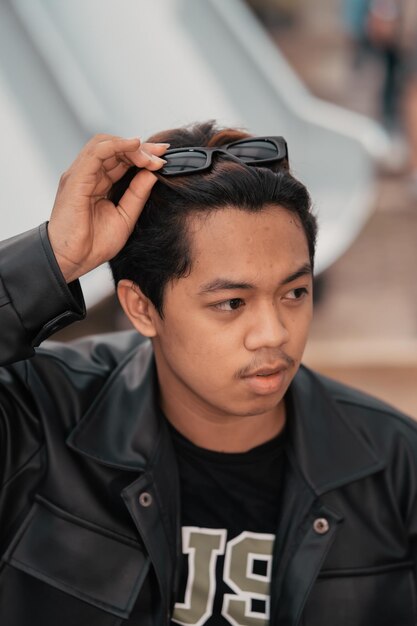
pixel 235 328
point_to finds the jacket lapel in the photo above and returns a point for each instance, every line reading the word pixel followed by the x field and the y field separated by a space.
pixel 329 452
pixel 299 550
pixel 122 426
pixel 324 453
pixel 123 429
pixel 158 521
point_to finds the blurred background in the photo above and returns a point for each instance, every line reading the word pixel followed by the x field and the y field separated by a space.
pixel 337 78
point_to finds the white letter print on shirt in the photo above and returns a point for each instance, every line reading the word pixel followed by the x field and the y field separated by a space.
pixel 203 546
pixel 241 554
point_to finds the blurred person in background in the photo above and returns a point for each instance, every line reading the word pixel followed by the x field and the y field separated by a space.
pixel 392 26
pixel 389 27
pixel 375 26
pixel 410 86
pixel 190 471
pixel 383 21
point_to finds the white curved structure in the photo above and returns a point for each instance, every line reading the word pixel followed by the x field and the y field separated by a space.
pixel 70 69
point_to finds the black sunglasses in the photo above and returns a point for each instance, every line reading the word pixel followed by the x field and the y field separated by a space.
pixel 251 151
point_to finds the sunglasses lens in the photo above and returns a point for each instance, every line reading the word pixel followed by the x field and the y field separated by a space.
pixel 254 150
pixel 186 161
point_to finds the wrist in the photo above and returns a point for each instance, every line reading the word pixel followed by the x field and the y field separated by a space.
pixel 71 271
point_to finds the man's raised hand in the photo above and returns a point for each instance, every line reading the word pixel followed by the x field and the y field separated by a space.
pixel 85 228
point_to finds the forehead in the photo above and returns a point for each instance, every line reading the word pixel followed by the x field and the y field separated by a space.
pixel 246 243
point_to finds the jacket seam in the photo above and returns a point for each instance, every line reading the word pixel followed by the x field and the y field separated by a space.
pixel 364 473
pixel 314 579
pixel 403 419
pixel 22 467
pixel 366 571
pixel 374 409
pixel 292 459
pixel 68 366
pixel 86 370
pixel 89 525
pixel 94 456
pixel 152 463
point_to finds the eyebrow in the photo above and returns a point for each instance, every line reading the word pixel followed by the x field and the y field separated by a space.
pixel 222 284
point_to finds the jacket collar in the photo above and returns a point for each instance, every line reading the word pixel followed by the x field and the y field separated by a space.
pixel 329 450
pixel 122 427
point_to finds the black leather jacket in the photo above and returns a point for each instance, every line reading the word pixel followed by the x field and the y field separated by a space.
pixel 81 443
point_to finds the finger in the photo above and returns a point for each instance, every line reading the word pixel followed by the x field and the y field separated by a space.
pixel 147 160
pixel 106 179
pixel 103 186
pixel 119 161
pixel 158 149
pixel 118 165
pixel 117 171
pixel 114 161
pixel 123 162
pixel 90 162
pixel 136 195
pixel 100 137
pixel 135 155
pixel 110 147
pixel 91 158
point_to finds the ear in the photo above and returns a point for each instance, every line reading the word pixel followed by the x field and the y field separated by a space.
pixel 138 308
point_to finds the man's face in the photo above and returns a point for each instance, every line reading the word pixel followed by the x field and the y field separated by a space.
pixel 235 328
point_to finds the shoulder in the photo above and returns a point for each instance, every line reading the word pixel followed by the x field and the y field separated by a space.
pixel 373 418
pixel 95 356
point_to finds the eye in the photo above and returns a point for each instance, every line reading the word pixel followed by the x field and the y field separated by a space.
pixel 230 305
pixel 297 294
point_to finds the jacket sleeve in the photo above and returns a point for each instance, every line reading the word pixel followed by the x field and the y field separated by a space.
pixel 35 300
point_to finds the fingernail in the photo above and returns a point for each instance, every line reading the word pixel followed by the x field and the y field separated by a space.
pixel 157 159
pixel 164 145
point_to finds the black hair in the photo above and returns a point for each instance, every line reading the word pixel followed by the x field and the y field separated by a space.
pixel 159 250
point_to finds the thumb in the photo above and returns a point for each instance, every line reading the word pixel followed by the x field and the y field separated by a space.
pixel 136 195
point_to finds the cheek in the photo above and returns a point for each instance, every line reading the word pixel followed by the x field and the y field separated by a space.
pixel 196 334
pixel 188 341
pixel 210 354
pixel 203 357
pixel 300 330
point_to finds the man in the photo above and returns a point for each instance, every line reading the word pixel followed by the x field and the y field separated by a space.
pixel 201 477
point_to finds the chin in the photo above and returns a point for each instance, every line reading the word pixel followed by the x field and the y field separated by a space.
pixel 259 406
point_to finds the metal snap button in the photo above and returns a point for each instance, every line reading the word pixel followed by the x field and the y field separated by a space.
pixel 321 526
pixel 145 499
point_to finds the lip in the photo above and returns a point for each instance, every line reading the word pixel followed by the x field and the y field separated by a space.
pixel 266 380
pixel 267 370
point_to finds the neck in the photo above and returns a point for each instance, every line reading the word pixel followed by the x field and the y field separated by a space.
pixel 218 431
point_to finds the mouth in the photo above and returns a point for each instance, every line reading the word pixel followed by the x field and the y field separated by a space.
pixel 266 380
pixel 264 372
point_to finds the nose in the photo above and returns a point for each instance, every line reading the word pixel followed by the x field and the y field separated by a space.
pixel 267 329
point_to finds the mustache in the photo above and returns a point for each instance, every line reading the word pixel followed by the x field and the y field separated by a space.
pixel 269 360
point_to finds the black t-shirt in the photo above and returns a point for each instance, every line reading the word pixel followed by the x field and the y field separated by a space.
pixel 229 508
